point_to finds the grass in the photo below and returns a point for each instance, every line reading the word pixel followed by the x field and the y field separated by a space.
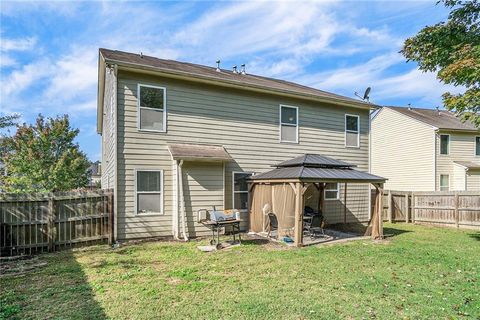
pixel 420 273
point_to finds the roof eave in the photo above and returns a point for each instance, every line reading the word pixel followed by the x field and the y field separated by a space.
pixel 134 67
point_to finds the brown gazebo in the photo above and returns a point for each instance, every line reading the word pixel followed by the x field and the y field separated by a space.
pixel 282 191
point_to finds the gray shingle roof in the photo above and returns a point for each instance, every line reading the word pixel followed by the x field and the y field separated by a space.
pixel 317 167
pixel 468 164
pixel 199 152
pixel 225 75
pixel 441 119
pixel 313 160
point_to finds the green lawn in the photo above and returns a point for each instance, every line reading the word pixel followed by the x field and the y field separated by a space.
pixel 420 273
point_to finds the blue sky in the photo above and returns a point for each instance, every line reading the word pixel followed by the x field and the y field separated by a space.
pixel 49 50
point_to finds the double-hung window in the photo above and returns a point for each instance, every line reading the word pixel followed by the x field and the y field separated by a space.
pixel 240 190
pixel 288 124
pixel 352 131
pixel 477 146
pixel 444 144
pixel 332 191
pixel 444 182
pixel 149 191
pixel 152 109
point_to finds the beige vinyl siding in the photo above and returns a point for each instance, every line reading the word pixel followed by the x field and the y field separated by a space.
pixel 403 151
pixel 203 189
pixel 246 124
pixel 108 134
pixel 462 148
pixel 473 180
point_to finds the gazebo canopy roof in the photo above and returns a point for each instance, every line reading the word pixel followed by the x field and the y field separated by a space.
pixel 315 167
pixel 314 160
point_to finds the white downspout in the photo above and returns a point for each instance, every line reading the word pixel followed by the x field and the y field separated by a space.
pixel 182 200
pixel 175 201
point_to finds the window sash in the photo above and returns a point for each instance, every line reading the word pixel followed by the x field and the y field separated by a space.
pixel 444 182
pixel 158 192
pixel 444 148
pixel 349 131
pixel 249 174
pixel 163 110
pixel 289 124
pixel 357 119
pixel 330 190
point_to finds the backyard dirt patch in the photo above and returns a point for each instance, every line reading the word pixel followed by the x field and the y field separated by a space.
pixel 15 266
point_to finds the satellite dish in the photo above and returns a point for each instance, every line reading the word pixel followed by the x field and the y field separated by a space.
pixel 366 95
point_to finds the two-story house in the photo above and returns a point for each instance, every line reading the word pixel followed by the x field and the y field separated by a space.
pixel 425 150
pixel 178 137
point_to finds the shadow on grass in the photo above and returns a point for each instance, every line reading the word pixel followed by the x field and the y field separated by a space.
pixel 59 289
pixel 475 236
pixel 359 229
pixel 255 242
pixel 392 232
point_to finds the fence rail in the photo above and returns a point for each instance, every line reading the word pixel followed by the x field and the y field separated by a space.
pixel 459 209
pixel 32 223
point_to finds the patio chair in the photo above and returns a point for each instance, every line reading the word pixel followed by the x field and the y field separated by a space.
pixel 273 224
pixel 313 224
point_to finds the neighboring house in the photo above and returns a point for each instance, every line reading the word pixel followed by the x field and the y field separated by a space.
pixel 178 137
pixel 425 150
pixel 95 170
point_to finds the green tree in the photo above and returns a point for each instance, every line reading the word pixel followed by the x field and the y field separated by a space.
pixel 452 49
pixel 44 158
pixel 8 120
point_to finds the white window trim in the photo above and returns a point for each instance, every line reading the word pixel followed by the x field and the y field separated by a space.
pixel 440 182
pixel 351 131
pixel 136 170
pixel 233 188
pixel 164 108
pixel 475 146
pixel 337 190
pixel 280 124
pixel 440 144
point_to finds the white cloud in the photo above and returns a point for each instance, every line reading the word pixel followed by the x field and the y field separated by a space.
pixel 73 74
pixel 22 44
pixel 7 61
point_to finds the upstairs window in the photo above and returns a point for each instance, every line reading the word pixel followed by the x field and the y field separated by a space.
pixel 149 191
pixel 444 143
pixel 352 131
pixel 240 190
pixel 444 182
pixel 477 146
pixel 288 124
pixel 331 191
pixel 152 111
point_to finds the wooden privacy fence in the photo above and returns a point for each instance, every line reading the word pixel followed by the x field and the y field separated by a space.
pixel 449 208
pixel 32 223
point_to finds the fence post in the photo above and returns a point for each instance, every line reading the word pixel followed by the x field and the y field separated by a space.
pixel 457 218
pixel 51 228
pixel 406 208
pixel 414 212
pixel 110 218
pixel 390 206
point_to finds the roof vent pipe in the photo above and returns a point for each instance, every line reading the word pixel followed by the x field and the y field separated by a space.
pixel 235 69
pixel 218 66
pixel 409 106
pixel 242 70
pixel 438 110
pixel 141 54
